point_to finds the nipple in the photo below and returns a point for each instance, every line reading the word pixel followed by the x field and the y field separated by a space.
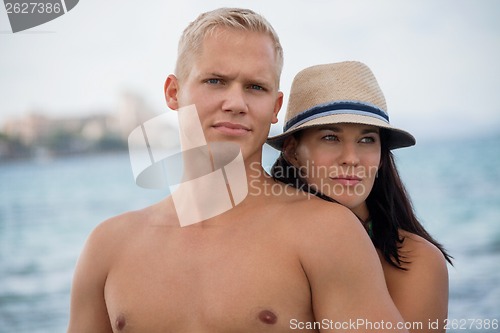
pixel 120 322
pixel 267 317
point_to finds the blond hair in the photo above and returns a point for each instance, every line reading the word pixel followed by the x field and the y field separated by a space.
pixel 235 18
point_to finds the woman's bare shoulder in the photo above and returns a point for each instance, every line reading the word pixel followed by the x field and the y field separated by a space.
pixel 420 253
pixel 421 291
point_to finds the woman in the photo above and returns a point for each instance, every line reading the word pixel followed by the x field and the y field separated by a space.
pixel 337 144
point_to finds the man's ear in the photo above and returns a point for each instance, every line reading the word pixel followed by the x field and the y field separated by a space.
pixel 277 107
pixel 290 150
pixel 171 89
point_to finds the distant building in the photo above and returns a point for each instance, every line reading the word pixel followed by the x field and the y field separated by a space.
pixel 28 129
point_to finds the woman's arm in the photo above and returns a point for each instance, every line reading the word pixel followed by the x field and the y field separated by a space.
pixel 421 292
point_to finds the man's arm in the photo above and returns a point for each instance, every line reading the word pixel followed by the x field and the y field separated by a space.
pixel 349 293
pixel 88 313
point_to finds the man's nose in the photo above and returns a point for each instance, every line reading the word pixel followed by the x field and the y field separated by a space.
pixel 234 100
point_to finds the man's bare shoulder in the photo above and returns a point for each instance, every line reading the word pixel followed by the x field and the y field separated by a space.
pixel 116 230
pixel 309 210
pixel 338 258
pixel 319 224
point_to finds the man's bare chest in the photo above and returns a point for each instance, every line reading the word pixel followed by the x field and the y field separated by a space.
pixel 193 284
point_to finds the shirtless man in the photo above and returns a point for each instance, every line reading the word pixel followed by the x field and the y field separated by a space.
pixel 273 263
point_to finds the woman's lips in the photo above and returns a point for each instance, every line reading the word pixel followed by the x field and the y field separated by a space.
pixel 346 180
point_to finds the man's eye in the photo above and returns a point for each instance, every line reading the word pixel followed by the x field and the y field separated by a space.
pixel 213 81
pixel 256 87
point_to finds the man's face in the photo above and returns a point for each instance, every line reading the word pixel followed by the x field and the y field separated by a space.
pixel 233 83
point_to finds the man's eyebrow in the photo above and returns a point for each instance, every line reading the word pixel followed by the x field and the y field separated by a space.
pixel 209 74
pixel 218 75
pixel 214 74
pixel 265 85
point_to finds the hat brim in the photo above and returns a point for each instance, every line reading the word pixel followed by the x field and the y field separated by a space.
pixel 397 137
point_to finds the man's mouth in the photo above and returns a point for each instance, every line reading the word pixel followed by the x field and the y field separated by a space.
pixel 231 129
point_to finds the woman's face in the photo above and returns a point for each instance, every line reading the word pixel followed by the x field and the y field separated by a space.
pixel 339 160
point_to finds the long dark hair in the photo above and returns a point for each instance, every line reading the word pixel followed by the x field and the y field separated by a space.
pixel 389 204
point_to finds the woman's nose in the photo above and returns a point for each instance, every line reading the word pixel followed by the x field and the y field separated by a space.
pixel 349 154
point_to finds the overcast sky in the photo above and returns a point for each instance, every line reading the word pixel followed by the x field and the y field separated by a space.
pixel 437 61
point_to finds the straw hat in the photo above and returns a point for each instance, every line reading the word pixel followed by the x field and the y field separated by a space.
pixel 345 92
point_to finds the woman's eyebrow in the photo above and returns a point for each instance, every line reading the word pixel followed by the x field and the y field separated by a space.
pixel 370 130
pixel 330 128
pixel 337 129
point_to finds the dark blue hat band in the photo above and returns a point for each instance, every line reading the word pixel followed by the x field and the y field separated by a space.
pixel 343 107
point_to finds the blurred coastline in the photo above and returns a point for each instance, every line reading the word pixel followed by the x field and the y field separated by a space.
pixel 37 136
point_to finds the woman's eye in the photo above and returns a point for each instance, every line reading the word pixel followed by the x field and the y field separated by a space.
pixel 330 137
pixel 367 139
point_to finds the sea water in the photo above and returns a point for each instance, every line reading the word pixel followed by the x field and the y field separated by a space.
pixel 49 206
